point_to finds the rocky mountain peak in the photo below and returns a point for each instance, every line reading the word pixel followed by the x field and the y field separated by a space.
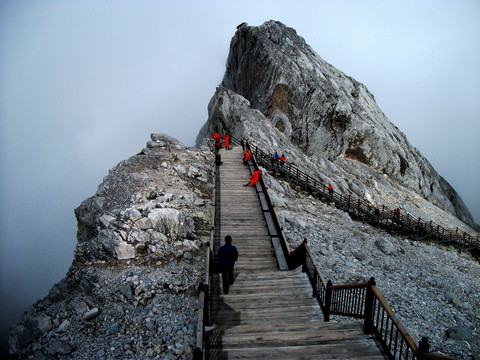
pixel 321 112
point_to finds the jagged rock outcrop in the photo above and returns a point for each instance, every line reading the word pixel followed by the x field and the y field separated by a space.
pixel 282 96
pixel 319 111
pixel 131 292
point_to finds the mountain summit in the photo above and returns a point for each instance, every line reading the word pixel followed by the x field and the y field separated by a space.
pixel 317 110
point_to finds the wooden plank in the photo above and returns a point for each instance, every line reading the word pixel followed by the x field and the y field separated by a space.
pixel 282 262
pixel 270 224
pixel 263 201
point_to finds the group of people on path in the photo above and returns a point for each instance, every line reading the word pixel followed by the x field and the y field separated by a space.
pixel 277 159
pixel 217 140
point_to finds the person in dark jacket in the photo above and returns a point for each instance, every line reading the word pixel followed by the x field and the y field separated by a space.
pixel 227 255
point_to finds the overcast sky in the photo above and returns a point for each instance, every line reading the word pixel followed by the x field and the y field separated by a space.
pixel 84 83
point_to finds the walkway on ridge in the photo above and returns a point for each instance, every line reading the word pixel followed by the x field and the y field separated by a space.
pixel 268 313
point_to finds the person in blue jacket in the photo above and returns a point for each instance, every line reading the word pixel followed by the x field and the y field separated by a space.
pixel 227 255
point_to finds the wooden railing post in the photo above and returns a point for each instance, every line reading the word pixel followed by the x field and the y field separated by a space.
pixel 205 288
pixel 423 347
pixel 328 301
pixel 368 313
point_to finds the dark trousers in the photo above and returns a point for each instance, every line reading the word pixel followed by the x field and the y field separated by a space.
pixel 227 277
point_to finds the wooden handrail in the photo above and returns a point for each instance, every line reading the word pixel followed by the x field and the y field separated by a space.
pixel 462 239
pixel 379 318
pixel 203 313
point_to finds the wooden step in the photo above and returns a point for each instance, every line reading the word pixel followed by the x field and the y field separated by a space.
pixel 268 313
pixel 354 350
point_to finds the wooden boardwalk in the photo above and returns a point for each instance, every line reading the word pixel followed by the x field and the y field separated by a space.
pixel 268 313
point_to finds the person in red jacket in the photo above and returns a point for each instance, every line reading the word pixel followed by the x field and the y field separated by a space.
pixel 226 140
pixel 396 212
pixel 330 189
pixel 248 156
pixel 255 177
pixel 217 141
pixel 282 160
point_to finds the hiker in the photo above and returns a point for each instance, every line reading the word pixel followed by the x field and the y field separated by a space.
pixel 275 159
pixel 248 156
pixel 255 177
pixel 282 159
pixel 330 189
pixel 396 212
pixel 217 141
pixel 226 140
pixel 227 255
pixel 218 144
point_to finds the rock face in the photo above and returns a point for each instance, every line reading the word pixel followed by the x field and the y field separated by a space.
pixel 282 96
pixel 131 292
pixel 319 111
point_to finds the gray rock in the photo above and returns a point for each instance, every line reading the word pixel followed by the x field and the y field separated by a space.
pixel 64 326
pixel 126 291
pixel 100 353
pixel 385 246
pixel 79 306
pixel 59 347
pixel 91 314
pixel 459 333
pixel 361 255
pixel 40 324
pixel 19 337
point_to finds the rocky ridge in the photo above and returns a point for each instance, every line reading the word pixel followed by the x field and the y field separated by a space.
pixel 131 292
pixel 321 112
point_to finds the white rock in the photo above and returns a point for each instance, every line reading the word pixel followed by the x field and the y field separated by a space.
pixel 125 251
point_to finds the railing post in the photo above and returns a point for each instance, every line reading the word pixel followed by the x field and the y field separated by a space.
pixel 328 301
pixel 423 347
pixel 197 354
pixel 206 314
pixel 368 313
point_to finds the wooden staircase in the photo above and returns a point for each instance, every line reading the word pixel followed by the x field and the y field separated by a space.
pixel 268 313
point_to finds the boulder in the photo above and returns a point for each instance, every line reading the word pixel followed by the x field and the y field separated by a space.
pixel 385 246
pixel 124 251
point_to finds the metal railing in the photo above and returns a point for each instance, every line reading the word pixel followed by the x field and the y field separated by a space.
pixel 363 301
pixel 207 288
pixel 359 209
